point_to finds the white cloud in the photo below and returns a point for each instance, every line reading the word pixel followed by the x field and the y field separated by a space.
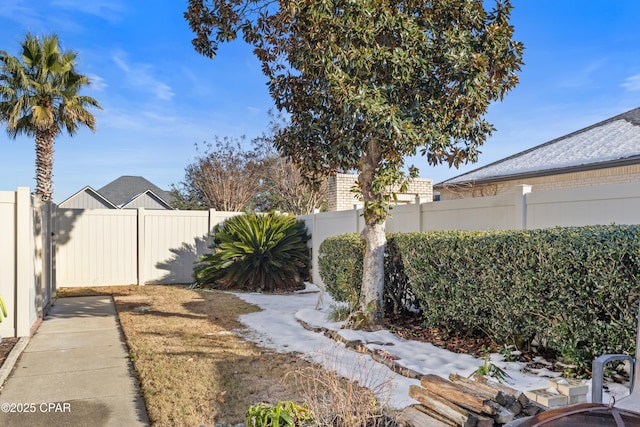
pixel 163 91
pixel 632 83
pixel 196 84
pixel 109 10
pixel 121 64
pixel 141 76
pixel 20 11
pixel 586 76
pixel 97 83
pixel 160 118
pixel 31 16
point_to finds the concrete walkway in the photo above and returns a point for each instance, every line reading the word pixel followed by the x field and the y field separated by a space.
pixel 74 371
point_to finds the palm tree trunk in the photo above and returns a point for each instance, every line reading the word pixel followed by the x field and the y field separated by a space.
pixel 44 163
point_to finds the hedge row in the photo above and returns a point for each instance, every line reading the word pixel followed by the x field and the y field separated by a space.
pixel 340 267
pixel 572 290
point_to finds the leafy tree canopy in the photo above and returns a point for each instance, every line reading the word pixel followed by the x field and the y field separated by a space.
pixel 369 82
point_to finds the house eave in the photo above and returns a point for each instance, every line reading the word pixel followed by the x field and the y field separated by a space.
pixel 541 173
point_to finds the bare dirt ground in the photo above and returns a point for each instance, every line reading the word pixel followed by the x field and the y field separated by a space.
pixel 6 345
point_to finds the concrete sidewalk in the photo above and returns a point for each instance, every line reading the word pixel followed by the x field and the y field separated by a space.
pixel 74 371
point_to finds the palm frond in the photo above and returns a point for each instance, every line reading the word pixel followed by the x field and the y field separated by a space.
pixel 39 95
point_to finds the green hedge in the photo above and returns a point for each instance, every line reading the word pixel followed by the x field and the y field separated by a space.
pixel 573 290
pixel 340 267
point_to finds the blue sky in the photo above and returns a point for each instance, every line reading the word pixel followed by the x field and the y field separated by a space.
pixel 582 65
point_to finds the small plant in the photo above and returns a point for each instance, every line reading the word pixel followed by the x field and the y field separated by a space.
pixel 282 414
pixel 257 252
pixel 510 353
pixel 339 312
pixel 484 351
pixel 3 309
pixel 488 369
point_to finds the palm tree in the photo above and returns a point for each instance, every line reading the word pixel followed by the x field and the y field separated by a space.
pixel 39 97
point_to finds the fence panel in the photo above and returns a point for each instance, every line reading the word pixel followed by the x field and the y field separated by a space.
pixel 27 269
pixel 21 266
pixel 405 219
pixel 172 241
pixel 8 257
pixel 149 246
pixel 483 213
pixel 103 247
pixel 603 205
pixel 327 224
pixel 43 255
pixel 96 247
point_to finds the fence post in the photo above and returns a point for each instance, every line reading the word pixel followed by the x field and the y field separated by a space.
pixel 210 225
pixel 24 261
pixel 141 252
pixel 39 250
pixel 356 214
pixel 54 252
pixel 46 285
pixel 520 204
pixel 315 250
pixel 419 201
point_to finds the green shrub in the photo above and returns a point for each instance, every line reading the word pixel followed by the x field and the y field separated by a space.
pixel 340 267
pixel 573 290
pixel 282 414
pixel 257 252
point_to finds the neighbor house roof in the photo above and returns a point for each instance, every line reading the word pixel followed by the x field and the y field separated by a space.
pixel 612 142
pixel 126 188
pixel 149 195
pixel 79 200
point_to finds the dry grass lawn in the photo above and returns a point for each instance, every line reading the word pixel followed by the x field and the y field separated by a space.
pixel 192 368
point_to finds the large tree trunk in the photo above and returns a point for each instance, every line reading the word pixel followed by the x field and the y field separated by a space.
pixel 371 309
pixel 44 163
pixel 372 292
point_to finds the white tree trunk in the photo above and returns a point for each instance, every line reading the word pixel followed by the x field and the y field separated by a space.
pixel 372 290
pixel 371 310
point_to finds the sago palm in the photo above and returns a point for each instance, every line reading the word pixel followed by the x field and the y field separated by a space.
pixel 39 96
pixel 257 252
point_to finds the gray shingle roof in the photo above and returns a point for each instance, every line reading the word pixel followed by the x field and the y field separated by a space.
pixel 127 187
pixel 610 141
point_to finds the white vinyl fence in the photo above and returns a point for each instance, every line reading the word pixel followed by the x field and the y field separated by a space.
pixel 101 247
pixel 27 282
pixel 121 247
pixel 118 247
pixel 519 209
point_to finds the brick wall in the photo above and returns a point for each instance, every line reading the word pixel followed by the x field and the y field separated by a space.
pixel 340 196
pixel 617 175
